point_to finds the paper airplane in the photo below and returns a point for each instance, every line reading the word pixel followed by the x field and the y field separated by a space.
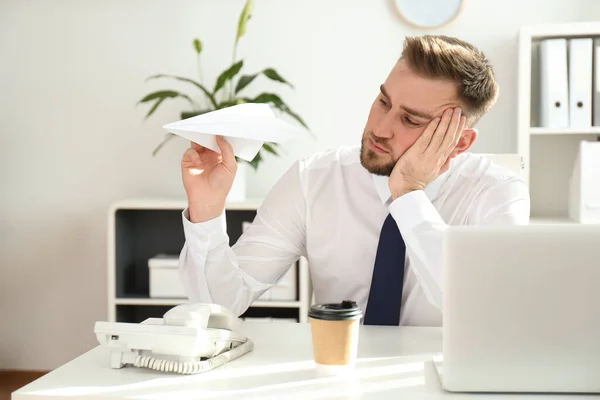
pixel 245 126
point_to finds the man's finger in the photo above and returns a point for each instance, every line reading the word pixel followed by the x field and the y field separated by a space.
pixel 446 166
pixel 191 158
pixel 425 139
pixel 461 128
pixel 453 131
pixel 440 132
pixel 197 147
pixel 227 153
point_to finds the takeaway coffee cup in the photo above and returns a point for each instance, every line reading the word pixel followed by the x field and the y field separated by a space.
pixel 334 329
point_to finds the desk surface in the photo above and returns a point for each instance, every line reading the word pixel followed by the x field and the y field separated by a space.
pixel 394 363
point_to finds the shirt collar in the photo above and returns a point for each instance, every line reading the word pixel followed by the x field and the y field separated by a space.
pixel 383 189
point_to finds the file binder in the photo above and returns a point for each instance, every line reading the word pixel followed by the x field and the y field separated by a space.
pixel 554 84
pixel 580 82
pixel 596 87
pixel 584 196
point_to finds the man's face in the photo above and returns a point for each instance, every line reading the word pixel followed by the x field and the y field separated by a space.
pixel 400 114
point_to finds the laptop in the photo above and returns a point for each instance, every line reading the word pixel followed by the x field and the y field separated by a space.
pixel 521 309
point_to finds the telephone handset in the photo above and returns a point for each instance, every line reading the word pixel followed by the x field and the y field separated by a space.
pixel 190 338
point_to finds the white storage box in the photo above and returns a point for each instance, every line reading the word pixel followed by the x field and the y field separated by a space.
pixel 164 277
pixel 584 196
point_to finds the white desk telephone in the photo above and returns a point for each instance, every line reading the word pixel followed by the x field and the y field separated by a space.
pixel 190 338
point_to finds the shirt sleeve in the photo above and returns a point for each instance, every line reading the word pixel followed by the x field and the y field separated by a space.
pixel 423 228
pixel 212 271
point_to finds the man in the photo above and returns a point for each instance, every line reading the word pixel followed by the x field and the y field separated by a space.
pixel 370 219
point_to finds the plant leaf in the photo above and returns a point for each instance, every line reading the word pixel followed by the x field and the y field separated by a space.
pixel 270 73
pixel 244 81
pixel 292 114
pixel 276 101
pixel 280 105
pixel 193 82
pixel 244 17
pixel 158 95
pixel 161 96
pixel 256 161
pixel 168 137
pixel 270 149
pixel 268 98
pixel 227 75
pixel 190 114
pixel 274 75
pixel 225 104
pixel 276 147
pixel 229 103
pixel 198 46
pixel 154 107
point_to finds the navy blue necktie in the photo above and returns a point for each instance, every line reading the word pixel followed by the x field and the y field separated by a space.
pixel 385 296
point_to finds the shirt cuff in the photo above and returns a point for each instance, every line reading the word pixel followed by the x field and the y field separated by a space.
pixel 413 209
pixel 211 233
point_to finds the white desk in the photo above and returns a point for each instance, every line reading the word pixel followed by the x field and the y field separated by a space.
pixel 394 363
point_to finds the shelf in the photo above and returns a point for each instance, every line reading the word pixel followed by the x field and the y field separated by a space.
pixel 140 228
pixel 176 204
pixel 276 304
pixel 148 302
pixel 141 301
pixel 551 221
pixel 595 130
pixel 562 30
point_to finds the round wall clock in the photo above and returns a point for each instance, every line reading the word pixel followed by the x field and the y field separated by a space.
pixel 429 13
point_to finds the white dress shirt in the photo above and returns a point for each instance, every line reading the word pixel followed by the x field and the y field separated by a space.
pixel 330 209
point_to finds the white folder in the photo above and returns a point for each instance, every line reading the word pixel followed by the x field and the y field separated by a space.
pixel 584 196
pixel 596 87
pixel 580 82
pixel 554 85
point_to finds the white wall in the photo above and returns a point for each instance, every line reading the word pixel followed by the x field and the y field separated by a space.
pixel 72 140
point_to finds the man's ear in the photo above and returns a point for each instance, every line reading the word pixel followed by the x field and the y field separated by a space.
pixel 467 138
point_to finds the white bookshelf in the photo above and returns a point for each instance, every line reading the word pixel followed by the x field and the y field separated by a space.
pixel 549 154
pixel 159 222
pixel 595 130
pixel 174 302
pixel 552 221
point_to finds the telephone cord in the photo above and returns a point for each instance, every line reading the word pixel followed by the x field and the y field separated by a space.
pixel 193 367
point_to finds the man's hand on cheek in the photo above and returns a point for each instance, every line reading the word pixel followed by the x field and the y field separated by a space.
pixel 428 157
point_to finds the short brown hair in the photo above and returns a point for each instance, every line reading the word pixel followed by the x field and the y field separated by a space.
pixel 450 58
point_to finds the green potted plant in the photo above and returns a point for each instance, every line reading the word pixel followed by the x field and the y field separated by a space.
pixel 227 90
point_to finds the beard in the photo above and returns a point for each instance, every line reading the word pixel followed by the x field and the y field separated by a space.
pixel 374 162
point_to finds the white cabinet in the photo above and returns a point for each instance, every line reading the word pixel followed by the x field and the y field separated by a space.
pixel 549 153
pixel 145 237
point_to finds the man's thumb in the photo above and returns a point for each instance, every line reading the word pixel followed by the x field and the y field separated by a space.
pixel 227 153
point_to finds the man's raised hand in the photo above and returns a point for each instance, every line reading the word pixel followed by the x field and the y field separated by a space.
pixel 429 156
pixel 207 178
